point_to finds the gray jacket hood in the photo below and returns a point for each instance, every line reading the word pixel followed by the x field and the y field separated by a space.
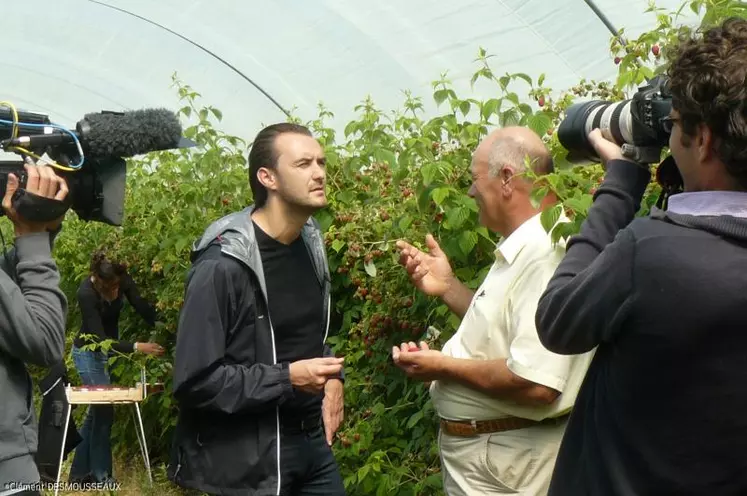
pixel 235 232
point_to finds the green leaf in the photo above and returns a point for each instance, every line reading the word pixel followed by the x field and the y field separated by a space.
pixel 541 79
pixel 415 419
pixel 467 241
pixel 524 77
pixel 405 222
pixel 440 96
pixel 378 409
pixel 580 204
pixel 539 123
pixel 510 117
pixel 647 72
pixel 345 196
pixel 490 107
pixel 217 113
pixel 363 472
pixel 440 194
pixel 464 107
pixel 370 268
pixel 434 480
pixel 456 217
pixel 550 216
pixel 351 128
pixel 337 245
pixel 350 480
pixel 429 172
pixel 182 243
pixel 503 81
pixel 386 155
pixel 483 231
pixel 563 230
pixel 526 109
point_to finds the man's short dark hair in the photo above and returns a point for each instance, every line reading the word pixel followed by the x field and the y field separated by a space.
pixel 264 154
pixel 708 80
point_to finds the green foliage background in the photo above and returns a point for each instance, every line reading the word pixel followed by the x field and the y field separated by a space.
pixel 391 175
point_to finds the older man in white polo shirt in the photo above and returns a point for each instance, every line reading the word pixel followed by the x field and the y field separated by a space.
pixel 502 397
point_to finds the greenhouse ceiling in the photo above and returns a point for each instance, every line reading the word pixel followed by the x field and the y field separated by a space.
pixel 257 60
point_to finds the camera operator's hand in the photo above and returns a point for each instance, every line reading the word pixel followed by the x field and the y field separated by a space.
pixel 606 149
pixel 42 181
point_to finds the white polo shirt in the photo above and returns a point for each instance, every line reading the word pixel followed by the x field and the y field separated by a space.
pixel 500 323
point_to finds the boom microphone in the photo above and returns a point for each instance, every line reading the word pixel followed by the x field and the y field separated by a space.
pixel 113 134
pixel 89 157
pixel 130 133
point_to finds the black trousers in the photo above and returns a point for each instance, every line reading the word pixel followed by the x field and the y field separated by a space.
pixel 308 466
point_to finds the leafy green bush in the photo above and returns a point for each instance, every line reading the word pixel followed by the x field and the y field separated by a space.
pixel 390 177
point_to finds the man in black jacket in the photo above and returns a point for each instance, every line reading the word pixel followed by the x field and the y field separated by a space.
pixel 662 408
pixel 257 387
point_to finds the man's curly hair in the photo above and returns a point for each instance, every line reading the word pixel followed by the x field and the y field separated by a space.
pixel 708 82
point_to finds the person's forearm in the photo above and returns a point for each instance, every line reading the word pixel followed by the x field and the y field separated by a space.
pixel 33 312
pixel 458 297
pixel 493 377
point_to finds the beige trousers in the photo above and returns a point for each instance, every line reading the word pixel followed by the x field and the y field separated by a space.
pixel 511 462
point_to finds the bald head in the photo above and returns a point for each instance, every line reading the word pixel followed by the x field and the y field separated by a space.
pixel 514 146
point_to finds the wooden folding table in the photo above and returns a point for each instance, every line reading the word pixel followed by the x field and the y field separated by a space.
pixel 110 395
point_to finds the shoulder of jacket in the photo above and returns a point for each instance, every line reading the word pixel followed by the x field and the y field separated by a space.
pixel 233 222
pixel 85 286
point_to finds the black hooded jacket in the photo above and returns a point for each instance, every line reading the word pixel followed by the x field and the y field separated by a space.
pixel 227 380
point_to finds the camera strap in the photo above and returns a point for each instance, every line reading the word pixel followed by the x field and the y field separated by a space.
pixel 669 179
pixel 38 208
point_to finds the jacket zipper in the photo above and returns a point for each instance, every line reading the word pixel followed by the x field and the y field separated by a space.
pixel 277 408
pixel 274 362
pixel 329 309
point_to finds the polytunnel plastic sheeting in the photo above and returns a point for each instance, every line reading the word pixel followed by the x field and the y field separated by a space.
pixel 253 59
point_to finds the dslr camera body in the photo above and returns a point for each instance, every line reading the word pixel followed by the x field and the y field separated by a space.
pixel 640 126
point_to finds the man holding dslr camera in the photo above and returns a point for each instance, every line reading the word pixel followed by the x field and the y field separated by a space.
pixel 664 299
pixel 33 310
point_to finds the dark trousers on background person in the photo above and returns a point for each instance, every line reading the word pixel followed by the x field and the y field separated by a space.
pixel 307 464
pixel 93 456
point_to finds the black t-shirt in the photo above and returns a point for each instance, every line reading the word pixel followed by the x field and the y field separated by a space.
pixel 101 317
pixel 296 306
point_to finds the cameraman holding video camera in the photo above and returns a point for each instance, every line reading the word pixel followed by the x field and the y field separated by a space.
pixel 664 299
pixel 32 326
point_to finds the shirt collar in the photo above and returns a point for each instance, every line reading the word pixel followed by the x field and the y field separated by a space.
pixel 509 248
pixel 733 203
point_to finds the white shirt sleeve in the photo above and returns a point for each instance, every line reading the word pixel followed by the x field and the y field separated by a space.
pixel 528 358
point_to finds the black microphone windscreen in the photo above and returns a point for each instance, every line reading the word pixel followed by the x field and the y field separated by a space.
pixel 131 133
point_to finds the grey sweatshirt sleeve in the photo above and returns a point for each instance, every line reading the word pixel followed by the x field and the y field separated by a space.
pixel 33 312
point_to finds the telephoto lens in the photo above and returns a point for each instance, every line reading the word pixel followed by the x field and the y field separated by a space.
pixel 640 121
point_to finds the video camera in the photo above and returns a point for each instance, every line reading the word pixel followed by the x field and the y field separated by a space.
pixel 640 126
pixel 90 157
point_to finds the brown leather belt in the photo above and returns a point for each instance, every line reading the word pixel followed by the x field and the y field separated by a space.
pixel 469 428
